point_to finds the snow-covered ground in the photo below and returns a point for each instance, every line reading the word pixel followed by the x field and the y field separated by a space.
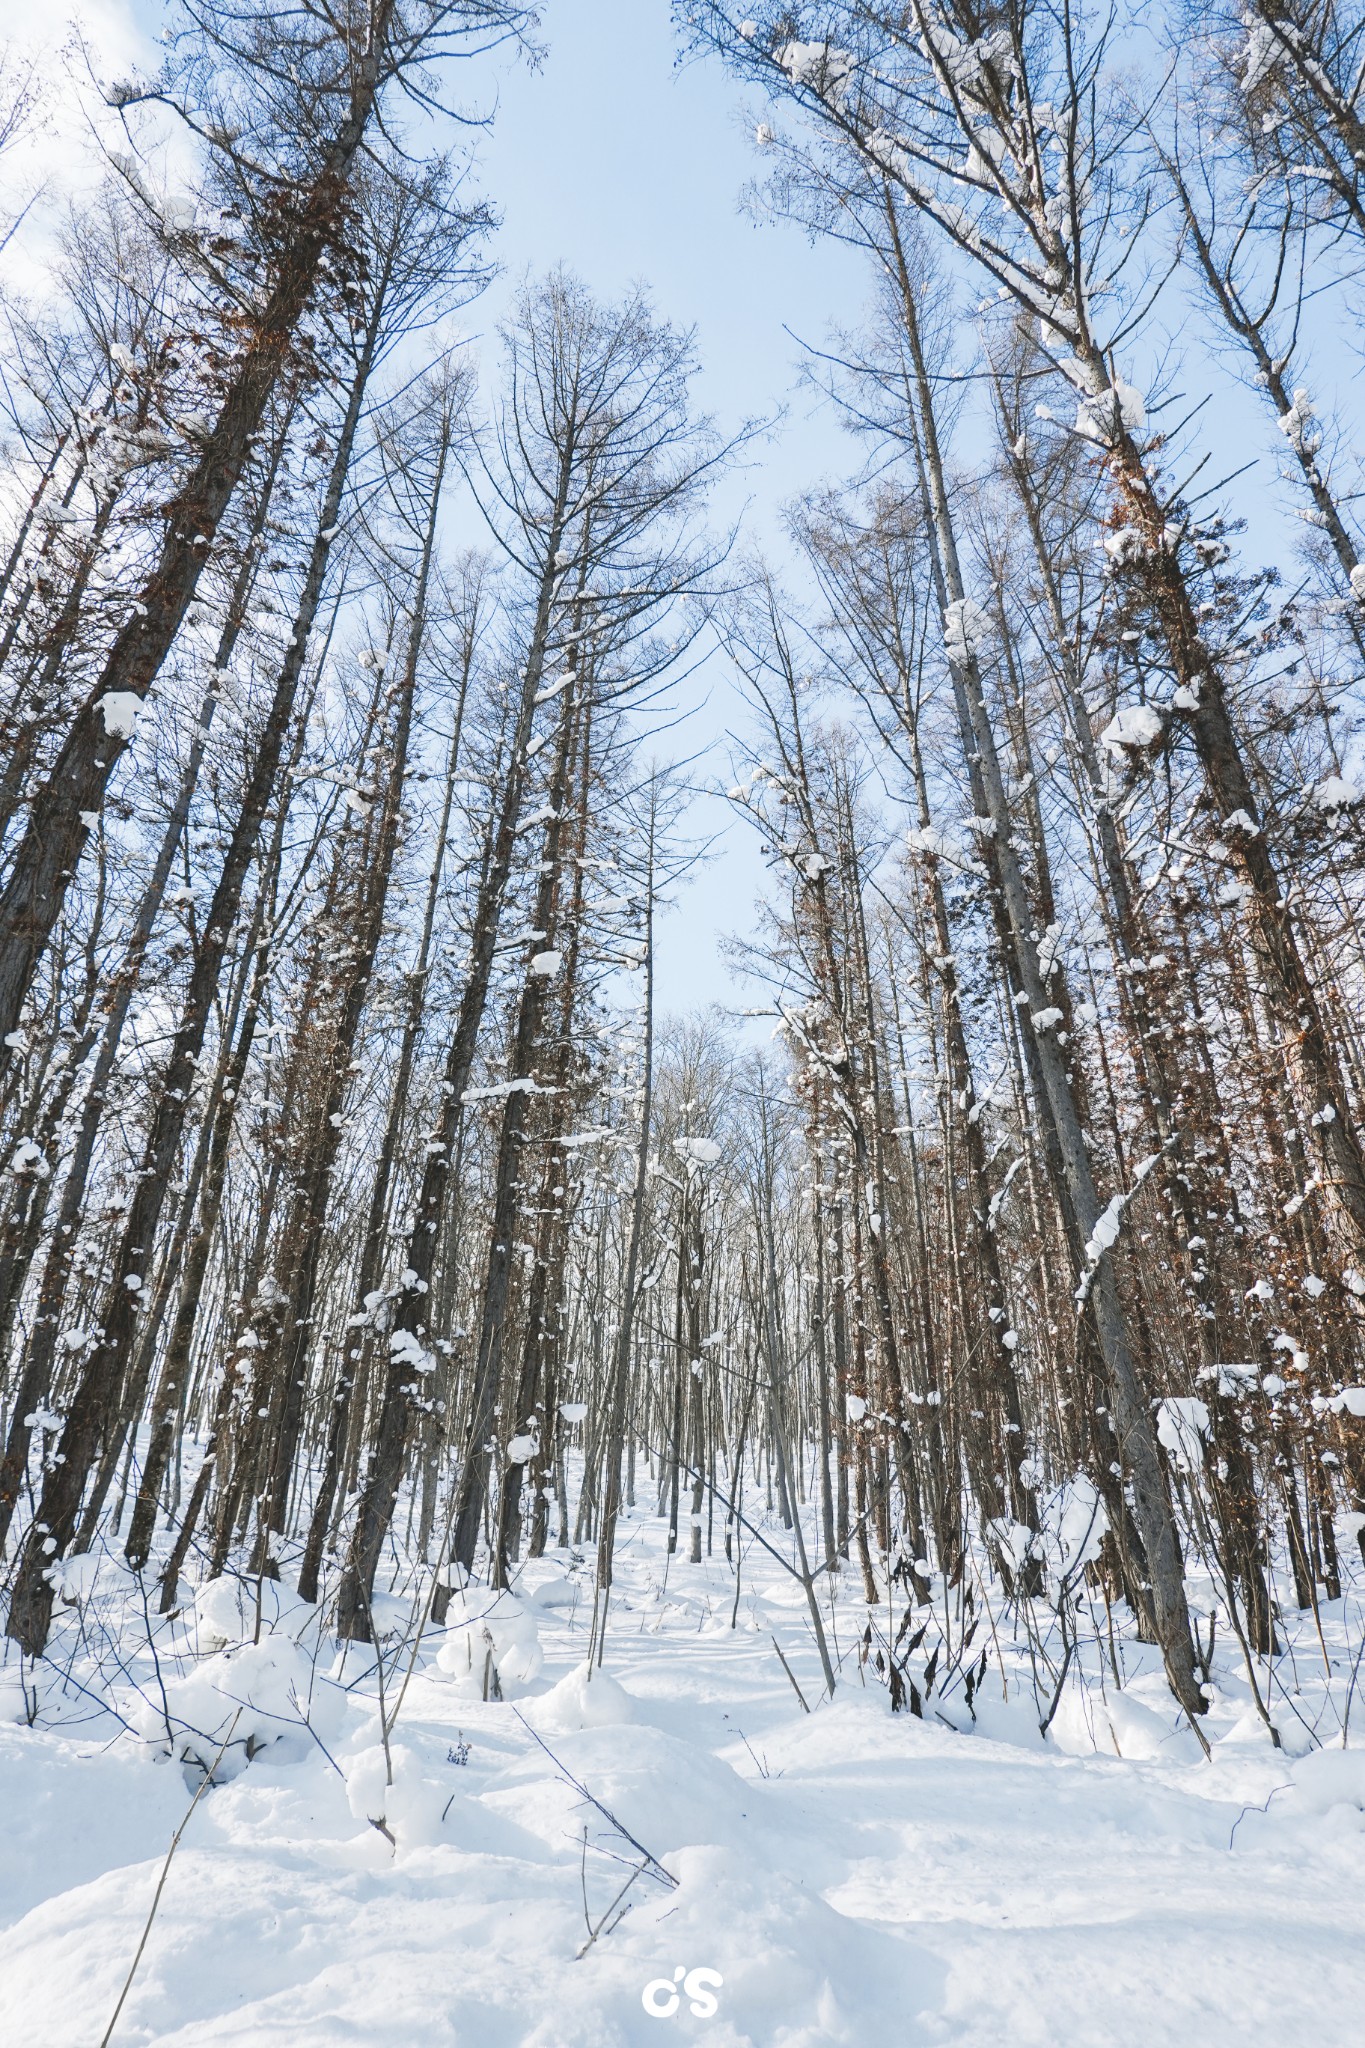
pixel 848 1874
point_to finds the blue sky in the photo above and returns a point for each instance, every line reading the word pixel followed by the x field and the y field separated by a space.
pixel 614 160
pixel 629 168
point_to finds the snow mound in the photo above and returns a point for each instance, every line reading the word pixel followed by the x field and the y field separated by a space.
pixel 1330 1777
pixel 503 1643
pixel 792 1966
pixel 225 1612
pixel 231 1707
pixel 74 1577
pixel 1118 1724
pixel 583 1700
pixel 390 1616
pixel 410 1807
pixel 546 1586
pixel 230 1610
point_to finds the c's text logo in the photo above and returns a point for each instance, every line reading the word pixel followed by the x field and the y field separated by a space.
pixel 661 1997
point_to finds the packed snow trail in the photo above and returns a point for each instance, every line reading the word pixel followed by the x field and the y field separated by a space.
pixel 851 1876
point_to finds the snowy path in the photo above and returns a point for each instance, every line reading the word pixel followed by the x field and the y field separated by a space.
pixel 888 1880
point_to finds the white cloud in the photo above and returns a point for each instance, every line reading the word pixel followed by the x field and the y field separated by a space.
pixel 57 157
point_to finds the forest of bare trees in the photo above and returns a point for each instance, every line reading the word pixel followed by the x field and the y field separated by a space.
pixel 366 1224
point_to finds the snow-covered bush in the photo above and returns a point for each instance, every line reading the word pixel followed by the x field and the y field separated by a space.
pixel 494 1652
pixel 239 1703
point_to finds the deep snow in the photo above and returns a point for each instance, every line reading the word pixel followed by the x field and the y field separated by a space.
pixel 851 1875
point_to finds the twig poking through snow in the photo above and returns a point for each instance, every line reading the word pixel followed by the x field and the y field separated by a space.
pixel 790 1673
pixel 656 1868
pixel 207 1780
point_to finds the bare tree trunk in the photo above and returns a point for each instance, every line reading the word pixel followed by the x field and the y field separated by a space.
pixel 31 1602
pixel 617 1389
pixel 51 848
pixel 381 1489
